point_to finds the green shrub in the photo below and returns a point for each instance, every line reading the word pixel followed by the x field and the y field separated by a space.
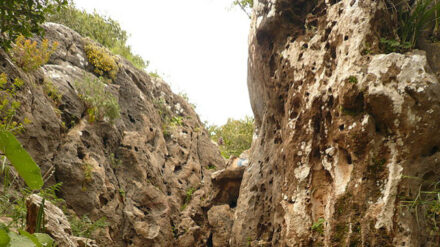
pixel 186 98
pixel 101 29
pixel 245 5
pixel 9 105
pixel 103 62
pixel 412 20
pixel 101 104
pixel 20 17
pixel 426 204
pixel 51 91
pixel 189 193
pixel 88 172
pixel 318 226
pixel 353 79
pixel 85 227
pixel 28 55
pixel 234 137
pixel 125 51
pixel 154 74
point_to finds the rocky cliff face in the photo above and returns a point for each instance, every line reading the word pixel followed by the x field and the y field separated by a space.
pixel 345 134
pixel 147 176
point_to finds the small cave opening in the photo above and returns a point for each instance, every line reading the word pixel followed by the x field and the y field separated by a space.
pixel 209 243
pixel 177 168
pixel 434 150
pixel 131 119
pixel 80 153
pixel 233 203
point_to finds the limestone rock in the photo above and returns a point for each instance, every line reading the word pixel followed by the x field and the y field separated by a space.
pixel 136 171
pixel 55 223
pixel 342 129
pixel 220 218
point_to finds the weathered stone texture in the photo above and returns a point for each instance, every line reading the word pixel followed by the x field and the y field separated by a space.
pixel 139 173
pixel 341 129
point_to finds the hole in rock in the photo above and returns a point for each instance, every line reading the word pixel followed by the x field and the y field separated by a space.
pixel 349 161
pixel 102 200
pixel 210 243
pixel 80 152
pixel 433 150
pixel 131 118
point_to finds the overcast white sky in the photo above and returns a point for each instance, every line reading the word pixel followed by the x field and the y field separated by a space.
pixel 199 47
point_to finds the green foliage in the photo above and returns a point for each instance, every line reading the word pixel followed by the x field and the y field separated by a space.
pixel 19 17
pixel 245 5
pixel 353 79
pixel 125 51
pixel 391 45
pixel 29 56
pixel 115 162
pixel 189 193
pixel 100 28
pixel 13 205
pixel 40 217
pixel 103 62
pixel 427 202
pixel 154 74
pixel 122 192
pixel 4 238
pixel 51 91
pixel 26 239
pixel 101 104
pixel 20 159
pixel 88 172
pixel 176 121
pixel 85 227
pixel 318 226
pixel 234 137
pixel 49 194
pixel 8 104
pixel 186 98
pixel 211 167
pixel 412 19
pixel 170 123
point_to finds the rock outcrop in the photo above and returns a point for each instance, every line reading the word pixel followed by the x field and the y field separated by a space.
pixel 345 134
pixel 146 173
pixel 55 223
pixel 346 140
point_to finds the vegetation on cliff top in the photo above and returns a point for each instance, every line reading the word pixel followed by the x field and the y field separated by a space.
pixel 20 17
pixel 234 137
pixel 100 28
pixel 411 19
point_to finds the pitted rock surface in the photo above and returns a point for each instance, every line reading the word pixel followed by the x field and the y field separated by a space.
pixel 341 129
pixel 140 173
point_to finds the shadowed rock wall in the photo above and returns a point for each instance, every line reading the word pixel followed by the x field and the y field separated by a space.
pixel 136 172
pixel 341 130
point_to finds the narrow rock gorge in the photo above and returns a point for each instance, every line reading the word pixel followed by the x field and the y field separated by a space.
pixel 346 140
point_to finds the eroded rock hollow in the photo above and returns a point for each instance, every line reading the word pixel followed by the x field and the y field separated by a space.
pixel 346 136
pixel 146 173
pixel 345 133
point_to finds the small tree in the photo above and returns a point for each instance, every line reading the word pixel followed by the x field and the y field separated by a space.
pixel 234 137
pixel 245 5
pixel 24 17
